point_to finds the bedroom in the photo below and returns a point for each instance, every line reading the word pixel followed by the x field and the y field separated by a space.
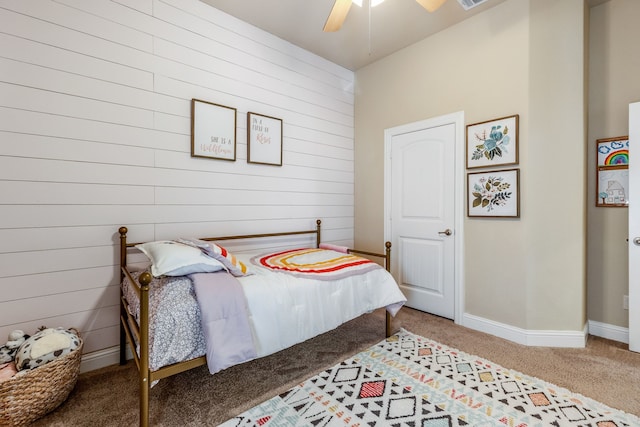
pixel 96 132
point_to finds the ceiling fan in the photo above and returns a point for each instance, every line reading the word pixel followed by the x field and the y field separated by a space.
pixel 341 8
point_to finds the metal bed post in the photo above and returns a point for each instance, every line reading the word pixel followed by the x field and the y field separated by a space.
pixel 387 265
pixel 143 360
pixel 318 222
pixel 123 314
pixel 145 382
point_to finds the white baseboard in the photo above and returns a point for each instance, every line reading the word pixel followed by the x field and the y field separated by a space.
pixel 610 332
pixel 102 358
pixel 573 339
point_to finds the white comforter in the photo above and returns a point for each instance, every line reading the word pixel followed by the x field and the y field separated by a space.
pixel 283 309
pixel 286 310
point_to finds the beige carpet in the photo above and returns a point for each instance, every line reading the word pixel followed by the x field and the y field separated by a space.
pixel 605 371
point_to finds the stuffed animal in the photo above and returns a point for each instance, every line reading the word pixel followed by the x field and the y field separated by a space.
pixel 46 346
pixel 9 350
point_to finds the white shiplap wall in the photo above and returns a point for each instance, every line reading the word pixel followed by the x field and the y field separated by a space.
pixel 95 133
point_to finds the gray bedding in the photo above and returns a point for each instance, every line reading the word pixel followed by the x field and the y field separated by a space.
pixel 214 301
pixel 172 302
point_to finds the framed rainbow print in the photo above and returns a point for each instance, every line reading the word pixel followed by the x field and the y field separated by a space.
pixel 613 151
pixel 612 169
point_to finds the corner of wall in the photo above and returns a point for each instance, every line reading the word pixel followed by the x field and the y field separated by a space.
pixel 539 338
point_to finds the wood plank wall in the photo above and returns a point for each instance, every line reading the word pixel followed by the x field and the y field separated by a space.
pixel 95 133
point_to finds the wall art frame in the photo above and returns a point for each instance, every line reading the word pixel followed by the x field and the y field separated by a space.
pixel 493 142
pixel 264 139
pixel 612 172
pixel 213 130
pixel 494 193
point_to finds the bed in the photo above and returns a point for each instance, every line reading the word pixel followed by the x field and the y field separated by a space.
pixel 272 300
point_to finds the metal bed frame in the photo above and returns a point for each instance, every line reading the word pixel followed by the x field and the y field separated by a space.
pixel 130 329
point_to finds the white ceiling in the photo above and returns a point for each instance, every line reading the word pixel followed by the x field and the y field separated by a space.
pixel 395 24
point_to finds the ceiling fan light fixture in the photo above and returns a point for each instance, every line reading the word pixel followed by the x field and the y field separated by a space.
pixel 374 3
pixel 431 5
pixel 340 10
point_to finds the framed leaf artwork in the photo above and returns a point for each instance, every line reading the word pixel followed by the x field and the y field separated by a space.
pixel 493 143
pixel 494 194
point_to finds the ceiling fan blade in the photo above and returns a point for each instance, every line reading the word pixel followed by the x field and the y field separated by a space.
pixel 337 16
pixel 431 5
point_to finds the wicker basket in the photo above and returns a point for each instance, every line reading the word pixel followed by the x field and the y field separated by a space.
pixel 31 394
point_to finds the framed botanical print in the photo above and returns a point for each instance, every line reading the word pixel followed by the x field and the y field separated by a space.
pixel 494 193
pixel 493 143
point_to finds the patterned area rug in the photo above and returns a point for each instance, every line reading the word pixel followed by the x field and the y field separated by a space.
pixel 408 380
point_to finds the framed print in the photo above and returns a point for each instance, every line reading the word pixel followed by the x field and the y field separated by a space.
pixel 264 139
pixel 613 152
pixel 612 169
pixel 494 194
pixel 613 187
pixel 493 143
pixel 213 130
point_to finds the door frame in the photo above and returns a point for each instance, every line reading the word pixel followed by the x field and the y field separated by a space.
pixel 634 227
pixel 457 119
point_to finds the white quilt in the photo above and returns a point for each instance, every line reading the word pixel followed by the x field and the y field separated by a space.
pixel 284 309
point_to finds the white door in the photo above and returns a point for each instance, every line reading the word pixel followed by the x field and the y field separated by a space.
pixel 634 226
pixel 423 212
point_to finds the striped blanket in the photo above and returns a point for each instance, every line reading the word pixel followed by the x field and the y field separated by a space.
pixel 321 264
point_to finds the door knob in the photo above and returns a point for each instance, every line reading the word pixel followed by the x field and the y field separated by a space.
pixel 636 241
pixel 448 232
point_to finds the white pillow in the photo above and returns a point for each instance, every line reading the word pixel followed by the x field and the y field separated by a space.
pixel 170 258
